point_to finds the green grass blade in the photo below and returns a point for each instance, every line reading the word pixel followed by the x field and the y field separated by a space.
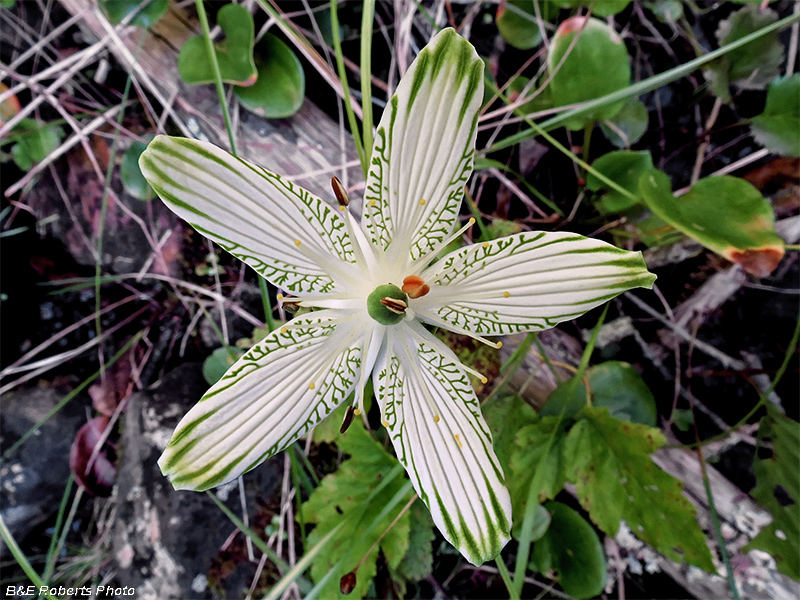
pixel 368 16
pixel 21 559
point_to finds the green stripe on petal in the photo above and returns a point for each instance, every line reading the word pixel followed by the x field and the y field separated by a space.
pixel 288 235
pixel 423 151
pixel 275 393
pixel 526 282
pixel 436 427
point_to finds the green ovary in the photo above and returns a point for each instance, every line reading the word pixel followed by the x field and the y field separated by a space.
pixel 381 313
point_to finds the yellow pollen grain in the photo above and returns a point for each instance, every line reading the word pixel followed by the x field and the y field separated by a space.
pixel 435 418
pixel 459 441
pixel 372 203
pixel 357 411
pixel 485 244
pixel 312 385
pixel 506 294
pixel 284 329
pixel 297 242
pixel 422 202
pixel 385 423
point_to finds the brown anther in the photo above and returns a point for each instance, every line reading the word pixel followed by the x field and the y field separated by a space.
pixel 339 191
pixel 347 583
pixel 288 305
pixel 348 419
pixel 415 286
pixel 394 305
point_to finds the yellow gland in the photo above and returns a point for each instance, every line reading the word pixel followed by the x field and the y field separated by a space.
pixel 458 440
pixel 435 418
pixel 422 202
pixel 385 423
pixel 297 242
pixel 311 385
pixel 357 411
pixel 484 380
pixel 506 294
pixel 372 202
pixel 485 244
pixel 280 297
pixel 284 329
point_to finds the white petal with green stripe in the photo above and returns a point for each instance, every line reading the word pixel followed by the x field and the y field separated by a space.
pixel 288 235
pixel 281 388
pixel 439 435
pixel 526 282
pixel 423 151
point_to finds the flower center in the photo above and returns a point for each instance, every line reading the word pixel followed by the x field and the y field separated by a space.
pixel 387 304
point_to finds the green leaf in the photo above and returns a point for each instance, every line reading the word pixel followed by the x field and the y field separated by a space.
pixel 683 418
pixel 618 387
pixel 616 479
pixel 234 53
pixel 417 564
pixel 542 100
pixel 505 416
pixel 117 10
pixel 623 167
pixel 778 127
pixel 571 553
pixel 516 22
pixel 34 141
pixel 281 85
pixel 568 399
pixel 132 178
pixel 778 490
pixel 725 214
pixel 666 11
pixel 752 66
pixel 655 231
pixel 339 497
pixel 597 64
pixel 218 363
pixel 600 8
pixel 628 126
pixel 539 459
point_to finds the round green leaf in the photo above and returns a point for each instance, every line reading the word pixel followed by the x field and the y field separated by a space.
pixel 34 141
pixel 541 101
pixel 596 65
pixel 117 10
pixel 571 553
pixel 221 359
pixel 725 214
pixel 623 167
pixel 600 8
pixel 628 126
pixel 130 173
pixel 516 22
pixel 619 387
pixel 666 11
pixel 280 88
pixel 567 399
pixel 778 127
pixel 234 53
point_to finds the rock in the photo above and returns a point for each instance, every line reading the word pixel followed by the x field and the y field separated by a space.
pixel 165 541
pixel 32 480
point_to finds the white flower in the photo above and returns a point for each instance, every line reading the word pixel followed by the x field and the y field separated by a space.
pixel 364 324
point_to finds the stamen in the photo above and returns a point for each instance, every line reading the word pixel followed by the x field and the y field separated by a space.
pixel 356 411
pixel 385 423
pixel 393 304
pixel 340 192
pixel 349 413
pixel 415 287
pixel 431 319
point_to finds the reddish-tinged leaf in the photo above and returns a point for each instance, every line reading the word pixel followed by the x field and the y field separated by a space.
pixel 94 471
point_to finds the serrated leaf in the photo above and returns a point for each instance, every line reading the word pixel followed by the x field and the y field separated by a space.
pixel 280 88
pixel 417 564
pixel 778 127
pixel 616 479
pixel 725 214
pixel 506 416
pixel 628 126
pixel 234 53
pixel 570 552
pixel 34 141
pixel 341 496
pixel 539 463
pixel 623 167
pixel 753 65
pixel 595 65
pixel 778 490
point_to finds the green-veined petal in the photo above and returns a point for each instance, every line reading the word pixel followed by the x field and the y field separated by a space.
pixel 450 461
pixel 283 386
pixel 526 282
pixel 423 150
pixel 288 235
